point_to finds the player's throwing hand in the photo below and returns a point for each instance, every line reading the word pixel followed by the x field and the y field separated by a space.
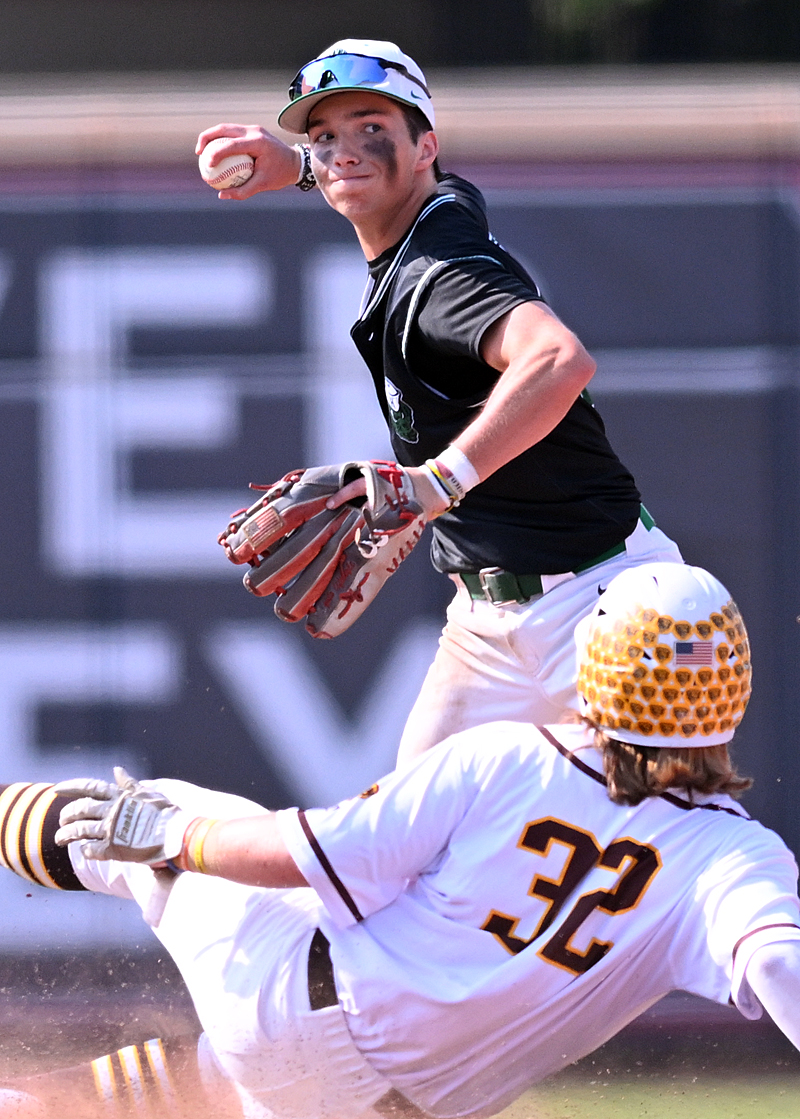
pixel 277 165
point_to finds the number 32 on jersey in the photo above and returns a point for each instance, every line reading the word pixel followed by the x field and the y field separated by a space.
pixel 637 864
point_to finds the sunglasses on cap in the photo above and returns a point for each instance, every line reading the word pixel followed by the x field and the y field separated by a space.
pixel 346 70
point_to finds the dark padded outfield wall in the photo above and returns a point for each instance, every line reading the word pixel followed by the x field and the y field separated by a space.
pixel 157 355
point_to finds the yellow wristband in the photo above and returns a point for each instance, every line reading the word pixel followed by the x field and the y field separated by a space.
pixel 440 484
pixel 193 840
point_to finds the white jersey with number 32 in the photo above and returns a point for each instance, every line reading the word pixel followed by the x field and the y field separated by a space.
pixel 493 916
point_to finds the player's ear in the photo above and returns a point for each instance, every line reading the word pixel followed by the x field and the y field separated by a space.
pixel 428 150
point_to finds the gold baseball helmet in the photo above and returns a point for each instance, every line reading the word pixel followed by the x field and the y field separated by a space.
pixel 663 658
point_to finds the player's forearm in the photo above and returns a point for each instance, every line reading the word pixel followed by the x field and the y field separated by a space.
pixel 543 369
pixel 531 398
pixel 249 850
pixel 774 975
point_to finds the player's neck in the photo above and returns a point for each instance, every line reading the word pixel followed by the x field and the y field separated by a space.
pixel 378 230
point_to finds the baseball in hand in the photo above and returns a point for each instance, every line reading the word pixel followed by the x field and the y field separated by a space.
pixel 232 171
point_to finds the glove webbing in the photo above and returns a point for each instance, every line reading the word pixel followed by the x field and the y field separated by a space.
pixel 28 822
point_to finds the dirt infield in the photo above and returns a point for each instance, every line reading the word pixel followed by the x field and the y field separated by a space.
pixel 683 1059
pixel 696 1097
pixel 57 1011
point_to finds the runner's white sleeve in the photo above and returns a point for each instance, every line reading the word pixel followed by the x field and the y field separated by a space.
pixel 773 975
pixel 361 854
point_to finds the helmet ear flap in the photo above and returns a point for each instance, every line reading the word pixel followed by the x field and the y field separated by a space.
pixel 664 659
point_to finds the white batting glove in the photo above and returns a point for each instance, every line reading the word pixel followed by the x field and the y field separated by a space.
pixel 124 821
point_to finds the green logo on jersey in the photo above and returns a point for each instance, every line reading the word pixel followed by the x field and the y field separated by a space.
pixel 402 415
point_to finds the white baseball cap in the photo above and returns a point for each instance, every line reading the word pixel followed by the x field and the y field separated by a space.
pixel 356 64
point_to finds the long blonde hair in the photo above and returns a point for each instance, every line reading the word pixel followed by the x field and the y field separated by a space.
pixel 636 772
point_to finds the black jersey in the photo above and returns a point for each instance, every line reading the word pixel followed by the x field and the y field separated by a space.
pixel 562 502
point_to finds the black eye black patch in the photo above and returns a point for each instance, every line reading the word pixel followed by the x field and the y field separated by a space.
pixel 383 149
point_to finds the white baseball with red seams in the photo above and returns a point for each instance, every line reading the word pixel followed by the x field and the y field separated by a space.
pixel 232 171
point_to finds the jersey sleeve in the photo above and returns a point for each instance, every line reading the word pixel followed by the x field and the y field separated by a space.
pixel 770 937
pixel 748 897
pixel 361 854
pixel 460 300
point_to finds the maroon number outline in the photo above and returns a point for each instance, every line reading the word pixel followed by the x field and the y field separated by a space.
pixel 639 863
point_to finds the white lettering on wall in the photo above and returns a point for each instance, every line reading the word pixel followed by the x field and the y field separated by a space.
pixel 296 721
pixel 95 411
pixel 126 663
pixel 343 418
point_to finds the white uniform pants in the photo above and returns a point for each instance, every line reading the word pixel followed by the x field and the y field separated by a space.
pixel 243 953
pixel 515 662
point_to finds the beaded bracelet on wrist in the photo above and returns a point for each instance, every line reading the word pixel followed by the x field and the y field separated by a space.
pixel 306 180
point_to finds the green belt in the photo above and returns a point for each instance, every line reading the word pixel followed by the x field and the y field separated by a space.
pixel 499 587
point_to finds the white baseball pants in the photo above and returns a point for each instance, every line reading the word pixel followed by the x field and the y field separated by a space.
pixel 515 662
pixel 243 953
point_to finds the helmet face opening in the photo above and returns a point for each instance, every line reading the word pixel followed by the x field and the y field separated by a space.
pixel 664 659
pixel 356 65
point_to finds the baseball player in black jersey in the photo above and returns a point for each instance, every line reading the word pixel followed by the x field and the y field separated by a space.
pixel 481 385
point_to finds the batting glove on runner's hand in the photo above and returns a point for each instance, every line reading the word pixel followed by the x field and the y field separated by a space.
pixel 327 565
pixel 125 821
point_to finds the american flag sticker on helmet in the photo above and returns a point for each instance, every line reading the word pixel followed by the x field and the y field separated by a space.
pixel 694 652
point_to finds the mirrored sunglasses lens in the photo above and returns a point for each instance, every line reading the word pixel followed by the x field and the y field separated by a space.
pixel 338 70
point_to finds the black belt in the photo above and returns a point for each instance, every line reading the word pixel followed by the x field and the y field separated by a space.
pixel 501 588
pixel 322 993
pixel 321 983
